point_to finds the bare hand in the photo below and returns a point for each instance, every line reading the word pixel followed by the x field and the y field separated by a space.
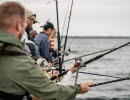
pixel 74 68
pixel 54 75
pixel 85 87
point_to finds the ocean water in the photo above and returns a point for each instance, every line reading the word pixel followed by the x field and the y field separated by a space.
pixel 116 63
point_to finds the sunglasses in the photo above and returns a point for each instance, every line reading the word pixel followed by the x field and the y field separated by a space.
pixel 33 15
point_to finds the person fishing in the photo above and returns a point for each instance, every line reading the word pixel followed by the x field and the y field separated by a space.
pixel 43 42
pixel 54 51
pixel 28 45
pixel 51 37
pixel 18 72
pixel 31 19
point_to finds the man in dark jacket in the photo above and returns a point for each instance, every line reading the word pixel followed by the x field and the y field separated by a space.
pixel 43 41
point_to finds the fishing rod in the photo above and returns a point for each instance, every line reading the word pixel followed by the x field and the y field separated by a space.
pixel 65 21
pixel 85 55
pixel 113 81
pixel 93 59
pixel 58 36
pixel 66 37
pixel 99 74
pixel 88 54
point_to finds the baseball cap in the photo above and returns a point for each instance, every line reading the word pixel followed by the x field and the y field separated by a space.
pixel 30 14
pixel 48 25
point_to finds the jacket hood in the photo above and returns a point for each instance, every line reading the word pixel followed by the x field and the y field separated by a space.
pixel 9 38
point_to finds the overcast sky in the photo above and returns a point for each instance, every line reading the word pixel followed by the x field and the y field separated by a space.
pixel 89 17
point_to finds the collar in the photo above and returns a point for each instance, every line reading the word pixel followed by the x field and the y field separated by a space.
pixel 44 33
pixel 9 38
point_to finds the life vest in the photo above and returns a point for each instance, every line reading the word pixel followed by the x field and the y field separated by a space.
pixel 52 43
pixel 7 49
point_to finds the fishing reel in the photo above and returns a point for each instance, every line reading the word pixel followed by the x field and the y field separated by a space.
pixel 80 60
pixel 66 53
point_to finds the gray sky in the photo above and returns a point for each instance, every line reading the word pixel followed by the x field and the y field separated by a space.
pixel 89 17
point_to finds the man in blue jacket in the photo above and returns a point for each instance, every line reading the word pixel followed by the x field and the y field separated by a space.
pixel 43 41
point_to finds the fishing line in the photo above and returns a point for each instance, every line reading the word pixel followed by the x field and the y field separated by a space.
pixel 74 38
pixel 97 74
pixel 48 2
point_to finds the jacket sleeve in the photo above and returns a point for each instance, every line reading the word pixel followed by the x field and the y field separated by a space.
pixel 45 49
pixel 39 85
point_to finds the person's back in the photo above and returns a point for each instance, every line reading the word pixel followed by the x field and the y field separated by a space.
pixel 39 38
pixel 43 43
pixel 10 56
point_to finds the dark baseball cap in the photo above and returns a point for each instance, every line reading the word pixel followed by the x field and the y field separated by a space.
pixel 48 25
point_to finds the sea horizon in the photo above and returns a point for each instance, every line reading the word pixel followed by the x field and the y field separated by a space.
pixel 97 36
